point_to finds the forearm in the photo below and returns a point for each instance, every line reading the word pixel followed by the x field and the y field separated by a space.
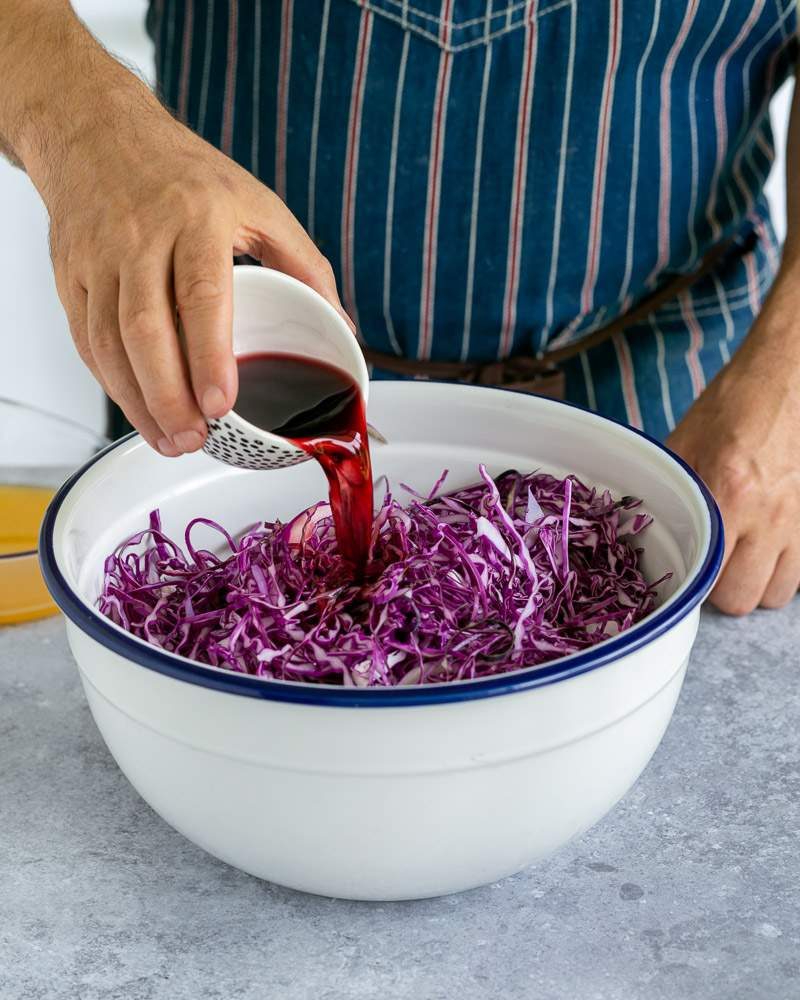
pixel 773 344
pixel 741 434
pixel 53 73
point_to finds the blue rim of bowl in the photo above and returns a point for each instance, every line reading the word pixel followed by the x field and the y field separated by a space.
pixel 217 679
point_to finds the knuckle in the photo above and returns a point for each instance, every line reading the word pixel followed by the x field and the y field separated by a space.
pixel 197 198
pixel 102 341
pixel 137 415
pixel 85 352
pixel 77 320
pixel 320 272
pixel 113 232
pixel 128 244
pixel 198 290
pixel 74 258
pixel 139 325
pixel 163 402
pixel 166 414
pixel 71 264
pixel 736 480
pixel 774 601
pixel 779 595
pixel 169 409
pixel 130 403
pixel 208 355
pixel 190 195
pixel 324 267
pixel 174 197
pixel 226 178
pixel 734 604
pixel 128 396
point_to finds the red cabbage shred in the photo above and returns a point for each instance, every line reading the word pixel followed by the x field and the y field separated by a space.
pixel 510 572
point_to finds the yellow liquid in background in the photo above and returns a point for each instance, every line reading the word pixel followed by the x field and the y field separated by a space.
pixel 23 595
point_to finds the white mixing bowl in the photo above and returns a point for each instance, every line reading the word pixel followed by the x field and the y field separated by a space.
pixel 398 793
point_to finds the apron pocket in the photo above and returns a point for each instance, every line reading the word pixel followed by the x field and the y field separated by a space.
pixel 455 25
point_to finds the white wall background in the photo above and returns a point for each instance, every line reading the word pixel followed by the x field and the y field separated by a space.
pixel 776 185
pixel 39 364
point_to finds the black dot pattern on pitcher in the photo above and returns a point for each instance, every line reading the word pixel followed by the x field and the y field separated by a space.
pixel 234 446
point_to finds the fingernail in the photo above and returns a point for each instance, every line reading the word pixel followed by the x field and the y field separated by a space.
pixel 167 448
pixel 187 440
pixel 214 402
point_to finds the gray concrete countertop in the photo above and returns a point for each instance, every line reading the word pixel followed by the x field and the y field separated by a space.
pixel 689 889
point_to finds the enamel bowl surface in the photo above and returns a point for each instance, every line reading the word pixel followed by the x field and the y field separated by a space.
pixel 398 793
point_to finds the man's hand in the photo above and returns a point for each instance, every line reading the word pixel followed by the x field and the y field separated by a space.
pixel 743 438
pixel 145 219
pixel 743 434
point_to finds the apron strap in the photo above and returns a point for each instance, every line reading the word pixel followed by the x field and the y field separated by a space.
pixel 541 375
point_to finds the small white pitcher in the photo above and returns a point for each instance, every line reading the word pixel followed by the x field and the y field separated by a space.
pixel 276 314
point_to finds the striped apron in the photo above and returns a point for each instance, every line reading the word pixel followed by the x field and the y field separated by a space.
pixel 492 178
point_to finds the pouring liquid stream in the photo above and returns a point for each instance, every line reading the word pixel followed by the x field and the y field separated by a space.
pixel 320 409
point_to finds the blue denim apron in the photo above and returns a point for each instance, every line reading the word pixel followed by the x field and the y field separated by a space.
pixel 498 177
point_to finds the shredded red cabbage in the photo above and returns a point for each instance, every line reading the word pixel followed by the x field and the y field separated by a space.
pixel 511 572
